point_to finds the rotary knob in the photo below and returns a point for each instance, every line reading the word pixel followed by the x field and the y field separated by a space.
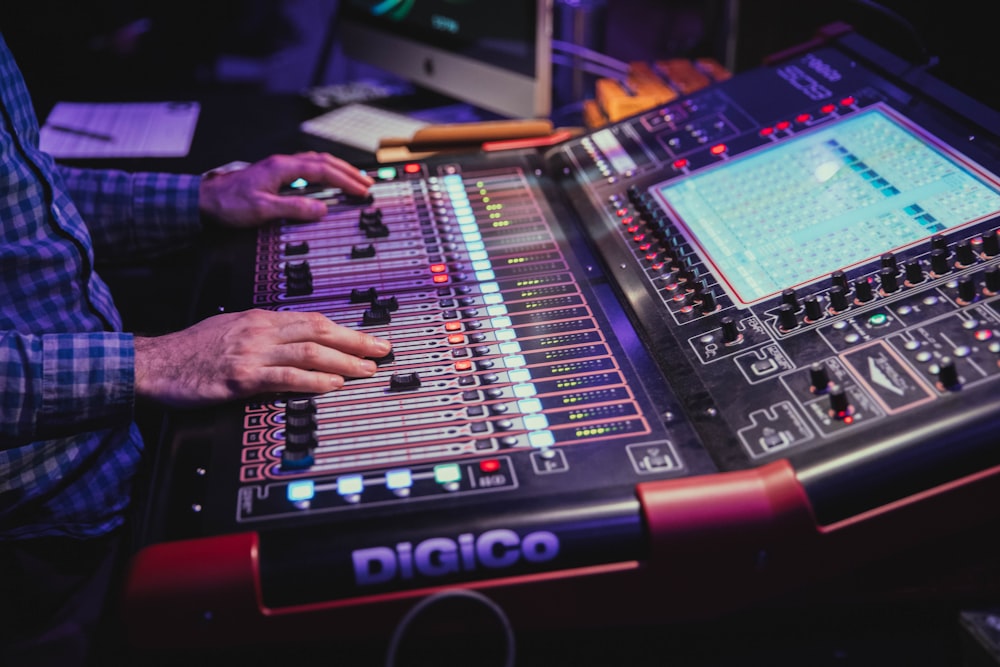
pixel 890 282
pixel 838 298
pixel 730 332
pixel 819 378
pixel 914 272
pixel 863 290
pixel 300 434
pixel 948 374
pixel 939 262
pixel 787 320
pixel 814 309
pixel 840 406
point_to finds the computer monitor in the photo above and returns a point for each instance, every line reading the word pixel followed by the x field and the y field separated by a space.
pixel 493 55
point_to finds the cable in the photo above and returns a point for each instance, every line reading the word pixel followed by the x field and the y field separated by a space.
pixel 404 623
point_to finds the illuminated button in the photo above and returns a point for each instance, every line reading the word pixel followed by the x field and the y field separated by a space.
pixel 456 339
pixel 350 485
pixel 783 125
pixel 878 320
pixel 983 335
pixel 541 439
pixel 766 131
pixel 399 481
pixel 438 268
pixel 412 168
pixel 848 101
pixel 301 491
pixel 828 108
pixel 463 365
pixel 440 278
pixel 802 118
pixel 718 149
pixel 447 473
pixel 386 173
pixel 489 465
pixel 680 163
pixel 452 326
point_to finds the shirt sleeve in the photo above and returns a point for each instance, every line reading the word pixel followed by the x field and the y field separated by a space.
pixel 59 383
pixel 142 214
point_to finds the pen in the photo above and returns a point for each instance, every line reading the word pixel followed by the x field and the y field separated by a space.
pixel 81 132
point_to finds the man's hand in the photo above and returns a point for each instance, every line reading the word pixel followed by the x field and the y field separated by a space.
pixel 238 355
pixel 249 197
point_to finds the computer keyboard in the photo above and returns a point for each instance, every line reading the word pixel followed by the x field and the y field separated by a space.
pixel 361 126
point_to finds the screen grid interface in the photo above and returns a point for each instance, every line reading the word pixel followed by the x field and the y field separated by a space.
pixel 828 199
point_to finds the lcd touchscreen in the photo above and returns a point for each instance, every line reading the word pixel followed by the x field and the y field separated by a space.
pixel 829 198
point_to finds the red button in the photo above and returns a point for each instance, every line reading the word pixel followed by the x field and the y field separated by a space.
pixel 489 465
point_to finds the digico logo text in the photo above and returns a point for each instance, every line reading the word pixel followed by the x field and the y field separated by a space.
pixel 438 556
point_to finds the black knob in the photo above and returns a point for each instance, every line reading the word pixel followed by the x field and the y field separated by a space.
pixel 364 295
pixel 991 243
pixel 708 302
pixel 838 298
pixel 814 309
pixel 914 272
pixel 298 278
pixel 362 252
pixel 840 406
pixel 966 289
pixel 939 262
pixel 839 278
pixel 730 332
pixel 297 248
pixel 819 378
pixel 786 317
pixel 992 276
pixel 965 254
pixel 788 296
pixel 939 242
pixel 890 282
pixel 376 315
pixel 300 433
pixel 889 261
pixel 948 373
pixel 863 290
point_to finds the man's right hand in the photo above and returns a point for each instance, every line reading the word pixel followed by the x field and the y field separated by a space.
pixel 239 355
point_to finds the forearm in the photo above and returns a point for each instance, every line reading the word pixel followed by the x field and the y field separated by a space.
pixel 58 383
pixel 141 213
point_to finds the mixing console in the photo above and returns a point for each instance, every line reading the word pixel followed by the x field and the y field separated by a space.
pixel 745 334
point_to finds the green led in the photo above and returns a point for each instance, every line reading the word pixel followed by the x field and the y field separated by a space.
pixel 878 319
pixel 386 173
pixel 447 473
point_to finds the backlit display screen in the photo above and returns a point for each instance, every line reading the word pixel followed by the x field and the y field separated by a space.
pixel 827 199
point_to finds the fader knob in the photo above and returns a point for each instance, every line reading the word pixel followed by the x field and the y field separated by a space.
pixel 300 433
pixel 819 378
pixel 914 272
pixel 890 282
pixel 863 290
pixel 939 262
pixel 786 317
pixel 298 278
pixel 948 374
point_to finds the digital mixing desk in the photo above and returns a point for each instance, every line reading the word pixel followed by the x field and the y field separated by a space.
pixel 677 365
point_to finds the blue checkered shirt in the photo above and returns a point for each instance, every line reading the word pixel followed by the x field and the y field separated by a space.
pixel 68 446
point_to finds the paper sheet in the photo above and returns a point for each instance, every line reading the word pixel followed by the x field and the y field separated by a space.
pixel 119 129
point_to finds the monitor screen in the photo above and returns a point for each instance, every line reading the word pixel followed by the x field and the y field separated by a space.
pixel 827 199
pixel 493 55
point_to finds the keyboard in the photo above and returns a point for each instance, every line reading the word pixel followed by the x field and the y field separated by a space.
pixel 361 126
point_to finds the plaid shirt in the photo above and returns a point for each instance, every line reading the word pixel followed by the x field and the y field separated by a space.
pixel 68 446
